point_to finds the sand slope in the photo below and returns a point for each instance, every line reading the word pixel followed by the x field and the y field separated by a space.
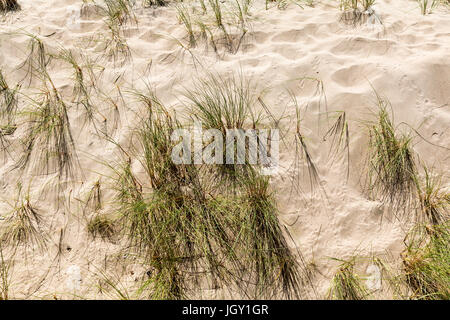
pixel 406 59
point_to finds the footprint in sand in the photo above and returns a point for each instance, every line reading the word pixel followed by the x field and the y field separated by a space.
pixel 353 75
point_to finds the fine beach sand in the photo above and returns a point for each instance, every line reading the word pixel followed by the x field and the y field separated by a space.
pixel 328 65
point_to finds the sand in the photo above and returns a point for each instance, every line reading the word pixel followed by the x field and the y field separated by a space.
pixel 406 59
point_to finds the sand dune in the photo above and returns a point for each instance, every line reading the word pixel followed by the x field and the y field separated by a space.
pixel 402 55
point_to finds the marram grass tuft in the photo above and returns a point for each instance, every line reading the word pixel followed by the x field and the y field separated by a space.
pixel 392 172
pixel 189 232
pixel 426 262
pixel 346 285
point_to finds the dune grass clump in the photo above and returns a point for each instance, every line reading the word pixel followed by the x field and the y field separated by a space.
pixel 9 5
pixel 391 167
pixel 22 225
pixel 225 104
pixel 346 285
pixel 434 201
pixel 188 231
pixel 219 24
pixel 49 145
pixel 101 226
pixel 426 262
